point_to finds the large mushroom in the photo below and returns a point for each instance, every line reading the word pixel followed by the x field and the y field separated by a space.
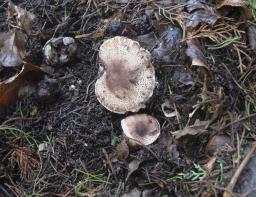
pixel 142 128
pixel 128 77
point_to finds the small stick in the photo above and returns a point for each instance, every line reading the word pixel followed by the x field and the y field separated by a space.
pixel 239 170
pixel 237 121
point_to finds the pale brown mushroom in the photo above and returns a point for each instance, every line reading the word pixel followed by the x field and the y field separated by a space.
pixel 142 128
pixel 128 77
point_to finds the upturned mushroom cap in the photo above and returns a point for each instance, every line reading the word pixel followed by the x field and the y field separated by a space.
pixel 128 77
pixel 143 128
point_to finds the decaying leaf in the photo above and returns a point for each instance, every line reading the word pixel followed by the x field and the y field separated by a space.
pixel 193 5
pixel 169 42
pixel 12 48
pixel 198 128
pixel 252 36
pixel 148 41
pixel 122 150
pixel 132 167
pixel 218 142
pixel 23 17
pixel 195 53
pixel 200 16
pixel 234 3
pixel 19 85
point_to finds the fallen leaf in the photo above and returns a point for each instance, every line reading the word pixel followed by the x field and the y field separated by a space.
pixel 23 17
pixel 122 150
pixel 242 10
pixel 132 167
pixel 134 145
pixel 193 5
pixel 12 48
pixel 195 53
pixel 169 43
pixel 207 15
pixel 183 76
pixel 19 85
pixel 148 41
pixel 252 37
pixel 198 128
pixel 217 142
pixel 234 3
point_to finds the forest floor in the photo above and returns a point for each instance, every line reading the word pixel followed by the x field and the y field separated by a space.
pixel 66 145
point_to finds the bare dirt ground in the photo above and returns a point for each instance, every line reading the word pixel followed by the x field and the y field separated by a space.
pixel 204 57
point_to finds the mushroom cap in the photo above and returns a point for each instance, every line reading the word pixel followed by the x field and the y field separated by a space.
pixel 59 50
pixel 128 78
pixel 143 128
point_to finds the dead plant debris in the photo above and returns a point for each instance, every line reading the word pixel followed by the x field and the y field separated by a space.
pixel 56 139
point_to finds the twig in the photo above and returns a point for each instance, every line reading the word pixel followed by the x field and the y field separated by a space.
pixel 237 121
pixel 239 170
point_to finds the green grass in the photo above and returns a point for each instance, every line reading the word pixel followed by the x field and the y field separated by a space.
pixel 15 132
pixel 198 173
pixel 90 182
pixel 224 43
pixel 252 4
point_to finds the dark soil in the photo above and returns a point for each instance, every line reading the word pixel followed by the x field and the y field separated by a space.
pixel 81 135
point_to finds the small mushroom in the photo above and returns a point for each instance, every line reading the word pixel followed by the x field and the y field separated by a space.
pixel 143 128
pixel 59 50
pixel 128 77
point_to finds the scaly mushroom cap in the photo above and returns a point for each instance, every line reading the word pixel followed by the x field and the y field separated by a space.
pixel 143 128
pixel 128 79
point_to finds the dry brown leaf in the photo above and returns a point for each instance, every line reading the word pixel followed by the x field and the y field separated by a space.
pixel 252 37
pixel 218 142
pixel 193 5
pixel 234 3
pixel 198 128
pixel 19 85
pixel 122 150
pixel 132 167
pixel 12 48
pixel 195 53
pixel 23 17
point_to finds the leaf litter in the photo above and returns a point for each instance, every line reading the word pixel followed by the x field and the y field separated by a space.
pixel 13 48
pixel 203 57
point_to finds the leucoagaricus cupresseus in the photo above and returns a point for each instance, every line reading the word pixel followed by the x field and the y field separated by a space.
pixel 59 50
pixel 128 77
pixel 142 128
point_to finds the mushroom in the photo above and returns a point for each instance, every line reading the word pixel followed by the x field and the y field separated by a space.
pixel 59 50
pixel 128 77
pixel 142 128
